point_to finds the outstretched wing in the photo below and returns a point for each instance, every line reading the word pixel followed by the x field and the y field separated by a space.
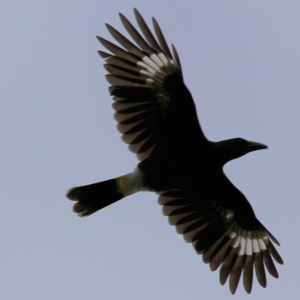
pixel 226 233
pixel 153 107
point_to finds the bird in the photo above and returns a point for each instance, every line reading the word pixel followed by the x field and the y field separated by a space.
pixel 157 118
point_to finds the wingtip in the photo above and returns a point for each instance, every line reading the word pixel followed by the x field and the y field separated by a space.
pixel 272 237
pixel 99 38
pixel 136 12
pixel 232 291
pixel 233 284
pixel 122 16
pixel 103 54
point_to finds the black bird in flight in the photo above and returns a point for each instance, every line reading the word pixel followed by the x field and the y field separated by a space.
pixel 157 118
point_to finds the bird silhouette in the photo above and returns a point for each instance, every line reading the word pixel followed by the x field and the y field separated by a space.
pixel 157 117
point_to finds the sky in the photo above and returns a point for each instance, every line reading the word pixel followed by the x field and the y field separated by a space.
pixel 241 63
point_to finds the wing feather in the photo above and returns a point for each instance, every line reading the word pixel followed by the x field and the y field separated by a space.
pixel 145 84
pixel 215 233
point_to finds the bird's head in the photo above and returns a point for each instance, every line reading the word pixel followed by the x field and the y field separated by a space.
pixel 235 148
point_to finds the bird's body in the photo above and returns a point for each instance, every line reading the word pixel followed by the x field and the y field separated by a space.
pixel 157 117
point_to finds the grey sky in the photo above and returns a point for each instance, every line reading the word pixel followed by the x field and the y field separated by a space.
pixel 241 63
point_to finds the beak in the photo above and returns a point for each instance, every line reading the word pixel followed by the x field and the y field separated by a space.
pixel 253 146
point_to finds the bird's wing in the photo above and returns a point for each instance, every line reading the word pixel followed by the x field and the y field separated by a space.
pixel 153 106
pixel 218 233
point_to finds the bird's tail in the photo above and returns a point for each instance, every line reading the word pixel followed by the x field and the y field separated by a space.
pixel 93 197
